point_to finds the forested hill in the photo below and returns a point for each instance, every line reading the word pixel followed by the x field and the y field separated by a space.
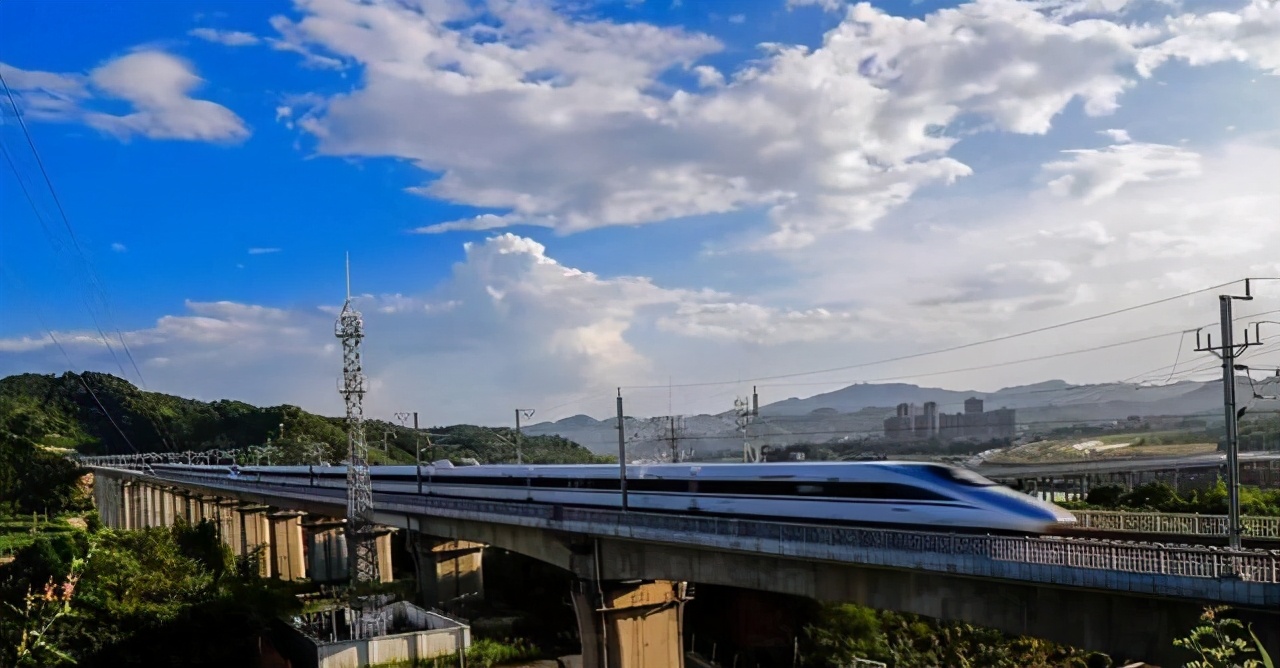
pixel 97 413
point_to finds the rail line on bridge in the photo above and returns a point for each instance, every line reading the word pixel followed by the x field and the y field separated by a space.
pixel 1092 562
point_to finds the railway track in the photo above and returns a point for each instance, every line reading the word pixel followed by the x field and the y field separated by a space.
pixel 1171 538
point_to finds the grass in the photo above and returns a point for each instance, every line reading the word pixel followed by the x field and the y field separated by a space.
pixel 16 531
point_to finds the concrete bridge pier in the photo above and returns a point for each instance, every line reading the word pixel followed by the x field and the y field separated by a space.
pixel 382 549
pixel 253 535
pixel 287 559
pixel 628 624
pixel 228 523
pixel 447 570
pixel 326 540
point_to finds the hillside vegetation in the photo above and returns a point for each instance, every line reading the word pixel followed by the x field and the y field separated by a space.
pixel 97 413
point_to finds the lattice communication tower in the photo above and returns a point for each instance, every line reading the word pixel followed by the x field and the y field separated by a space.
pixel 361 548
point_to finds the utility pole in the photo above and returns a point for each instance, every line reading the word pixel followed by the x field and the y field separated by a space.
pixel 675 426
pixel 1227 352
pixel 742 413
pixel 622 453
pixel 363 561
pixel 527 413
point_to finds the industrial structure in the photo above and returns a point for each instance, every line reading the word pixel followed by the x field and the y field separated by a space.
pixel 974 423
pixel 360 529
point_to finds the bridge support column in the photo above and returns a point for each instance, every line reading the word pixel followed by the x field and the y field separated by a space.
pixel 109 500
pixel 382 548
pixel 132 513
pixel 154 498
pixel 125 518
pixel 253 536
pixel 166 507
pixel 226 519
pixel 144 506
pixel 632 624
pixel 447 571
pixel 326 549
pixel 287 559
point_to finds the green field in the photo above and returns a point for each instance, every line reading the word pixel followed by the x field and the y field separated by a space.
pixel 16 532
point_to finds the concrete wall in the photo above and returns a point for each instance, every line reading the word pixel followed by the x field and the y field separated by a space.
pixel 441 637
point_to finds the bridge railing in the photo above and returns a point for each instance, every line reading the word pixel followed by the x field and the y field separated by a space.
pixel 1175 523
pixel 1187 561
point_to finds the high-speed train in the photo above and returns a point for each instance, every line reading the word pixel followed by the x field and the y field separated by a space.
pixel 918 495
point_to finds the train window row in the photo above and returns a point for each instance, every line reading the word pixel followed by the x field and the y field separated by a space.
pixel 845 490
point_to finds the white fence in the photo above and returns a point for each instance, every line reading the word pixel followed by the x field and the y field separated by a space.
pixel 1175 523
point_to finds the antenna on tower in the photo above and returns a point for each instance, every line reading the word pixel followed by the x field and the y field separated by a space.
pixel 360 526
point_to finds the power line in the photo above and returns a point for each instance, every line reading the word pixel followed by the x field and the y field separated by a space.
pixel 63 350
pixel 66 221
pixel 995 365
pixel 965 346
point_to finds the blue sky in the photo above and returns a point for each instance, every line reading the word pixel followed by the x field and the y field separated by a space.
pixel 649 190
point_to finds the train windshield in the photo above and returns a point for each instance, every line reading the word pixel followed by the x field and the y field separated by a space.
pixel 962 476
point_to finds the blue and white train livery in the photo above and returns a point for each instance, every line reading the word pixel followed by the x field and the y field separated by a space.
pixel 919 495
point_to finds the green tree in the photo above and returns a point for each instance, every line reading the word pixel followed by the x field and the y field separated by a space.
pixel 844 632
pixel 1219 642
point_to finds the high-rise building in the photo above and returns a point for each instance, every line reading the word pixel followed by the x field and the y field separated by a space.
pixel 973 423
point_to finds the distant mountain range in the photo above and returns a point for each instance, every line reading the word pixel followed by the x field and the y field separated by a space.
pixel 858 411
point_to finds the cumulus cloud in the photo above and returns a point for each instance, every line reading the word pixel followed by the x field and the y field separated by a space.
pixel 1017 260
pixel 119 247
pixel 156 84
pixel 263 251
pixel 510 317
pixel 225 37
pixel 1248 35
pixel 1092 174
pixel 570 123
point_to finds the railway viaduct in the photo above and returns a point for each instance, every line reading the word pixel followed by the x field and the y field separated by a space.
pixel 1125 599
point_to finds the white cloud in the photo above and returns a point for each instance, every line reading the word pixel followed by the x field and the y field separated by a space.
pixel 512 320
pixel 738 19
pixel 826 5
pixel 156 84
pixel 767 326
pixel 568 123
pixel 45 95
pixel 1011 260
pixel 836 152
pixel 1118 136
pixel 263 251
pixel 225 37
pixel 119 247
pixel 1092 174
pixel 1249 35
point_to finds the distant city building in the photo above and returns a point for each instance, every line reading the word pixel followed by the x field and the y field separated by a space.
pixel 975 423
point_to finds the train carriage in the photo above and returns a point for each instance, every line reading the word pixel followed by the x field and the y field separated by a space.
pixel 916 495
